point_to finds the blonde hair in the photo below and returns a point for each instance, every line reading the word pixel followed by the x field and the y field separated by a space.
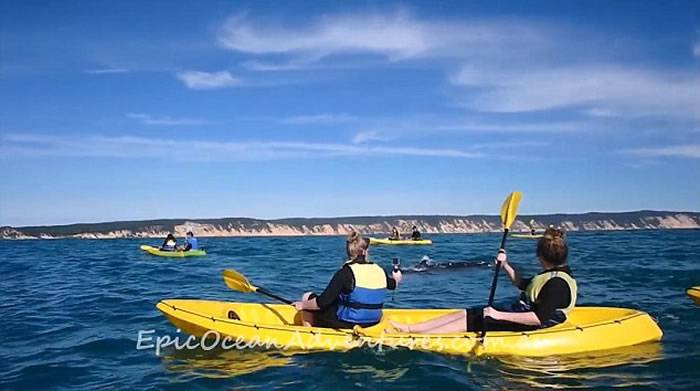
pixel 356 246
pixel 552 248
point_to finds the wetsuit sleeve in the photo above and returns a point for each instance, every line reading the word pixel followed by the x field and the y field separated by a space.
pixel 554 294
pixel 390 283
pixel 342 281
pixel 524 282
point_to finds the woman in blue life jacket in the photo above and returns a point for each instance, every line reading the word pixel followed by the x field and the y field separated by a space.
pixel 355 294
pixel 545 300
pixel 169 244
pixel 190 242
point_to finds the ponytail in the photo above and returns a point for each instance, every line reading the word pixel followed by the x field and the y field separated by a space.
pixel 552 248
pixel 356 246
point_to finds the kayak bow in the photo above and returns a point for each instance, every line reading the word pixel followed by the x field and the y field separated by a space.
pixel 694 293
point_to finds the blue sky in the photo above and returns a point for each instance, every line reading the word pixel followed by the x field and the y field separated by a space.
pixel 133 110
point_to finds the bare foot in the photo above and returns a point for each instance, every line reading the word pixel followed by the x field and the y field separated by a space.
pixel 396 326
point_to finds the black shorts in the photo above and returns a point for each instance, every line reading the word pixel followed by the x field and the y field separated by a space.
pixel 475 322
pixel 328 317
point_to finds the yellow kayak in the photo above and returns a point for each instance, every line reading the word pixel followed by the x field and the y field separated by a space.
pixel 173 254
pixel 275 326
pixel 400 242
pixel 527 236
pixel 694 293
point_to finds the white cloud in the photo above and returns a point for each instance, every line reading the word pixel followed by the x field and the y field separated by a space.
pixel 525 127
pixel 197 80
pixel 148 119
pixel 28 145
pixel 395 35
pixel 605 89
pixel 366 136
pixel 106 71
pixel 317 119
pixel 505 65
pixel 691 151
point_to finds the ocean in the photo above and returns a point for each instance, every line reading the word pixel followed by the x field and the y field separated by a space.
pixel 73 310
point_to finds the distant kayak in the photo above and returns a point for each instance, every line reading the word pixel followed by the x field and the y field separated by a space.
pixel 694 293
pixel 527 236
pixel 172 254
pixel 400 242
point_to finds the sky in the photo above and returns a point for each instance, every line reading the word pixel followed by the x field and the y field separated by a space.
pixel 136 110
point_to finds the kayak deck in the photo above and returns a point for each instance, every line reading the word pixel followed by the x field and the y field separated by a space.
pixel 587 329
pixel 172 254
pixel 400 242
pixel 694 293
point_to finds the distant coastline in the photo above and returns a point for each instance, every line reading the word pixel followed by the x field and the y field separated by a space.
pixel 233 226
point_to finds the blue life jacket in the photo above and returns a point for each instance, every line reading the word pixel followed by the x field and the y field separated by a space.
pixel 364 304
pixel 192 242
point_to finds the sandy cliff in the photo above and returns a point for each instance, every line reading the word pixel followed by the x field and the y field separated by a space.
pixel 343 225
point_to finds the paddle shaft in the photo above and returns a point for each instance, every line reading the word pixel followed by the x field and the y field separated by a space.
pixel 263 291
pixel 492 294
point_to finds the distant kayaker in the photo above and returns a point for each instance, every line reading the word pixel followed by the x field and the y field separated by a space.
pixel 395 235
pixel 545 299
pixel 415 233
pixel 190 242
pixel 355 294
pixel 169 244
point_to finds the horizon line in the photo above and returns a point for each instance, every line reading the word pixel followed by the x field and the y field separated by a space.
pixel 338 217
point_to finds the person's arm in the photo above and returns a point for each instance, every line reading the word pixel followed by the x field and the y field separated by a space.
pixel 393 281
pixel 508 269
pixel 553 295
pixel 341 279
pixel 526 318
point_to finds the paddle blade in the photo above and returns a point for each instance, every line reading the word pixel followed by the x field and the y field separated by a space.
pixel 237 281
pixel 509 210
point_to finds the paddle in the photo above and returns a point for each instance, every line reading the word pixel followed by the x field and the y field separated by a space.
pixel 238 282
pixel 508 212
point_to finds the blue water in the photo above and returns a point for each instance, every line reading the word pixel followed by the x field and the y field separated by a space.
pixel 72 311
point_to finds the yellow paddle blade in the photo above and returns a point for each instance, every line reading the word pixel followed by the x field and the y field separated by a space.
pixel 237 281
pixel 509 210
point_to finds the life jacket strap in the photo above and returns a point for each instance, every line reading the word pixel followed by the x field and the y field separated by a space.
pixel 364 306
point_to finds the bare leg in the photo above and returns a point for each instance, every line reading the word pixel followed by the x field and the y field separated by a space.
pixel 456 326
pixel 429 325
pixel 307 318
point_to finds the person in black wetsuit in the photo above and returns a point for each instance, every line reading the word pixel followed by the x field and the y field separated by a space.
pixel 169 244
pixel 394 234
pixel 355 294
pixel 415 233
pixel 545 300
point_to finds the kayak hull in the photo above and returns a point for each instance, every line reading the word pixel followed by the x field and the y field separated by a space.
pixel 172 254
pixel 408 242
pixel 527 236
pixel 694 293
pixel 275 326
